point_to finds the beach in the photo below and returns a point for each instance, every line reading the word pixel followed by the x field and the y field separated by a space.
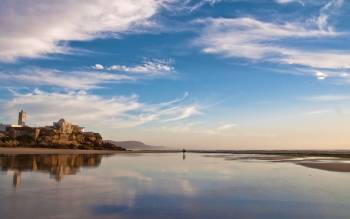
pixel 21 150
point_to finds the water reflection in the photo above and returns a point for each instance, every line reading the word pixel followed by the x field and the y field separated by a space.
pixel 165 186
pixel 333 164
pixel 56 165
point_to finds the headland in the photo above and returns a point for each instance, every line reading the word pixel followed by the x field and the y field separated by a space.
pixel 60 135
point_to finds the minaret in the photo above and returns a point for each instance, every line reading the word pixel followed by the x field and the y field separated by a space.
pixel 22 118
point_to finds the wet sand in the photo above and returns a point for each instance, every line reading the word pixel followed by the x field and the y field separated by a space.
pixel 334 166
pixel 328 162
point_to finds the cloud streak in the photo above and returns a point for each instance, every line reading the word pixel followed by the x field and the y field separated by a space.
pixel 328 98
pixel 257 40
pixel 289 1
pixel 85 108
pixel 150 68
pixel 35 28
pixel 85 79
pixel 75 80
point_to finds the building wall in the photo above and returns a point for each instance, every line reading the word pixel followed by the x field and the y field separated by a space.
pixel 3 127
pixel 15 132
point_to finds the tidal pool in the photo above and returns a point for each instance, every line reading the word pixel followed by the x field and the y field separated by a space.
pixel 173 185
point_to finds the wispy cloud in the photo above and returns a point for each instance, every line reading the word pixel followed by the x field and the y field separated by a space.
pixel 185 112
pixel 257 40
pixel 151 68
pixel 326 11
pixel 194 5
pixel 35 28
pixel 226 127
pixel 96 76
pixel 289 1
pixel 328 98
pixel 199 128
pixel 263 41
pixel 75 80
pixel 85 108
pixel 336 75
pixel 318 112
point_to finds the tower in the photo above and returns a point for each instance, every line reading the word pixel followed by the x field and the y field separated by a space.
pixel 22 118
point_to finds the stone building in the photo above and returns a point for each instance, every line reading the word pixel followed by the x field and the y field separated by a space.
pixel 62 134
pixel 63 126
pixel 22 118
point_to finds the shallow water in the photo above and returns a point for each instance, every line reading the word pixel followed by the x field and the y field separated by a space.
pixel 170 186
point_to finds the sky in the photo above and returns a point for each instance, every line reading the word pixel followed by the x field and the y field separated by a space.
pixel 213 74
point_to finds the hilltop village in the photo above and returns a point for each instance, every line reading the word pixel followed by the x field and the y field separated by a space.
pixel 62 134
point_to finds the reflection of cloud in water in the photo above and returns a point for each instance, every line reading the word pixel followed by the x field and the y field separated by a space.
pixel 156 186
pixel 187 187
pixel 109 209
pixel 130 174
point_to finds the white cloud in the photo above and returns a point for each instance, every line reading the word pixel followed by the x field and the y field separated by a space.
pixel 33 28
pixel 86 79
pixel 220 130
pixel 326 10
pixel 318 112
pixel 328 98
pixel 321 75
pixel 338 76
pixel 70 80
pixel 182 128
pixel 226 127
pixel 289 1
pixel 257 40
pixel 201 3
pixel 199 128
pixel 154 67
pixel 91 110
pixel 98 67
pixel 184 113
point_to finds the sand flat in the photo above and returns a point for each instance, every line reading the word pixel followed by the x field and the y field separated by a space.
pixel 329 166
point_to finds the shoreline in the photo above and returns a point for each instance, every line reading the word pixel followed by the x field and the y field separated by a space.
pixel 290 153
pixel 32 151
pixel 27 150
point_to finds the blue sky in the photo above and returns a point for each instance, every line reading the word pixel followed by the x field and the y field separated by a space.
pixel 211 73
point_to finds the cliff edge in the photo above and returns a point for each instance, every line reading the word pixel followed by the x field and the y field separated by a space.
pixel 61 135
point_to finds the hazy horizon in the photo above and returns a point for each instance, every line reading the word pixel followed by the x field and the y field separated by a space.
pixel 201 74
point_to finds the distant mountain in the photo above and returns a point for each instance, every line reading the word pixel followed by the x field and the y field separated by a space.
pixel 134 145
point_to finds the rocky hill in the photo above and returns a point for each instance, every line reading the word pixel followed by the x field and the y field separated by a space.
pixel 134 145
pixel 54 137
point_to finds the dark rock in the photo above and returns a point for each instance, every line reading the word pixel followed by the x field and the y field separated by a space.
pixel 53 138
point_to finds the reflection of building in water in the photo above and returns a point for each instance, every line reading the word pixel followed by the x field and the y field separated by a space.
pixel 56 165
